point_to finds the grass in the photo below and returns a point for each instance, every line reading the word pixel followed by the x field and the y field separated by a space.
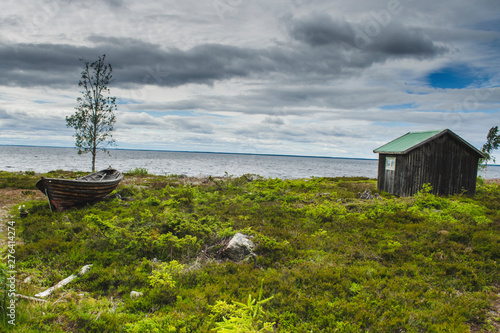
pixel 330 262
pixel 27 179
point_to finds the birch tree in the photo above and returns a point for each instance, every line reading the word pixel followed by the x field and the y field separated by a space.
pixel 94 118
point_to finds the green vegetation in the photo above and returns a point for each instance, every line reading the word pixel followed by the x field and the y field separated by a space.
pixel 139 172
pixel 242 317
pixel 329 261
pixel 18 180
pixel 27 180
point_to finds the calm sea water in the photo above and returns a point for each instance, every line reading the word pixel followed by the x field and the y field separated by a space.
pixel 44 159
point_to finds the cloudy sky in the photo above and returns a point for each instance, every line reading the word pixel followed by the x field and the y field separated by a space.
pixel 301 77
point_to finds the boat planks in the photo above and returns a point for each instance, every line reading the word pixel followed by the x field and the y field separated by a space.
pixel 68 193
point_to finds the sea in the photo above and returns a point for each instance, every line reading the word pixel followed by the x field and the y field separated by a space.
pixel 192 164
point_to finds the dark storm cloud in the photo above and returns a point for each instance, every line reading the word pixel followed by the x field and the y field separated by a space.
pixel 327 47
pixel 138 63
pixel 377 35
pixel 400 41
pixel 43 64
pixel 202 64
pixel 134 63
pixel 320 29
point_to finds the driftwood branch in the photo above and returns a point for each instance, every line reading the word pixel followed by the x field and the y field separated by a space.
pixel 31 298
pixel 57 286
pixel 64 282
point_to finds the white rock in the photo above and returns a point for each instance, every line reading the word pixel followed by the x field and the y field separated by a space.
pixel 239 247
pixel 134 294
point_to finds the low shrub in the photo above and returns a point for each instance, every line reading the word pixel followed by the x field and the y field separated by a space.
pixel 332 261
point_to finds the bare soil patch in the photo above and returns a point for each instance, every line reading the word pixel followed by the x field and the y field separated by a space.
pixel 493 181
pixel 9 198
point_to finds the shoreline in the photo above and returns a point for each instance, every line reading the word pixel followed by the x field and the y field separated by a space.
pixel 204 177
pixel 194 164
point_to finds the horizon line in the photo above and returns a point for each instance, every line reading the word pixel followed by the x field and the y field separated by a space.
pixel 202 152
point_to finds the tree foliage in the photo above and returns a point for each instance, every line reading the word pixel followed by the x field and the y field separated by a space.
pixel 94 118
pixel 492 144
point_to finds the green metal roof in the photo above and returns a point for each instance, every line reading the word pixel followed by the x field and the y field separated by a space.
pixel 407 141
pixel 410 141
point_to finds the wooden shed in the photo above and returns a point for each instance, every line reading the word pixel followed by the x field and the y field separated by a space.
pixel 440 158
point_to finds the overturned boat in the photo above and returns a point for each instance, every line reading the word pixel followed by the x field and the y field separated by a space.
pixel 68 193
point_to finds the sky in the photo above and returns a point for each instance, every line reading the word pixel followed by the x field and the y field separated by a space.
pixel 334 78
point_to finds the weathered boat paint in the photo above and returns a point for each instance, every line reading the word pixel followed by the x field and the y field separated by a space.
pixel 67 193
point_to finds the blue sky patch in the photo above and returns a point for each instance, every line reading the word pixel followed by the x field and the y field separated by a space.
pixel 454 77
pixel 409 92
pixel 399 106
pixel 126 101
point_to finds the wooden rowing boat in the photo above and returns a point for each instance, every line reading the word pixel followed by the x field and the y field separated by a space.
pixel 67 193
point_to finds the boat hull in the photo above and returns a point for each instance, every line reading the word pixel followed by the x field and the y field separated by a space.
pixel 66 193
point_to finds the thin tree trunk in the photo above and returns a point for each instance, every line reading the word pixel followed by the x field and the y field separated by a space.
pixel 94 148
pixel 95 123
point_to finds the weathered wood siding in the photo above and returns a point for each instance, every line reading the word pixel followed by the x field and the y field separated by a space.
pixel 386 177
pixel 446 163
pixel 381 173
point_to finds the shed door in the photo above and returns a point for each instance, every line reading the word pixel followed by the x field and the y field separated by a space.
pixel 390 170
